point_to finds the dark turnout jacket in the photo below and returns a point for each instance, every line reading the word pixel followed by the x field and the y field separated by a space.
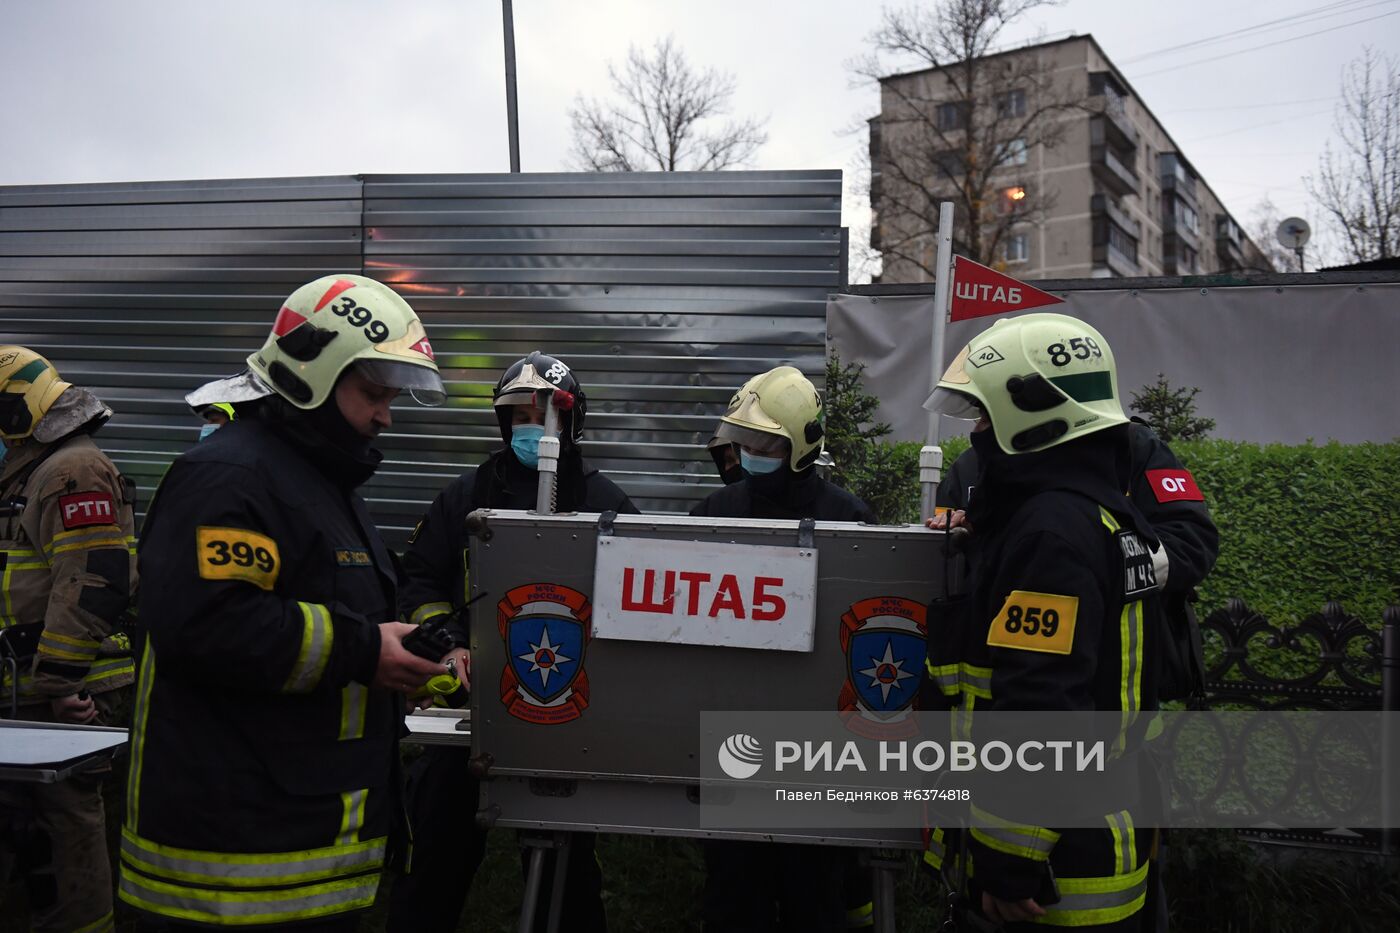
pixel 262 760
pixel 436 559
pixel 1061 616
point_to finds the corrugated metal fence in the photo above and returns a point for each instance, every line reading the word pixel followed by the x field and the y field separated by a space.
pixel 663 291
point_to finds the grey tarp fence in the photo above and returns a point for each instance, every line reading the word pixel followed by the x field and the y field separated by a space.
pixel 665 291
pixel 1296 358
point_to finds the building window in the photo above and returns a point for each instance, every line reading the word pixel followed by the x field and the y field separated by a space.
pixel 1186 215
pixel 1013 198
pixel 1018 248
pixel 1122 242
pixel 1012 104
pixel 1016 152
pixel 950 162
pixel 949 116
pixel 1186 256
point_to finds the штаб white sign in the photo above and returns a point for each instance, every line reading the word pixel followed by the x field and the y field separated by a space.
pixel 705 593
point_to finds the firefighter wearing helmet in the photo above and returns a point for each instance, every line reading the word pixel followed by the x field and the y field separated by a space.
pixel 1055 538
pixel 272 675
pixel 776 420
pixel 448 845
pixel 67 550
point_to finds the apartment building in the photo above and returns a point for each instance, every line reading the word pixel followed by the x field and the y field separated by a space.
pixel 1114 196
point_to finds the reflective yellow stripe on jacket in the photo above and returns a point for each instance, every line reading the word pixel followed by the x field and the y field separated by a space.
pixel 1091 901
pixel 427 611
pixel 317 637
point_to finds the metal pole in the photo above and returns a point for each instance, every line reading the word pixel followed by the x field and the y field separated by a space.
pixel 931 455
pixel 548 466
pixel 533 877
pixel 942 292
pixel 512 122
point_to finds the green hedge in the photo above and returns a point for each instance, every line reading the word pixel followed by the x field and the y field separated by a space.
pixel 1301 525
pixel 1298 525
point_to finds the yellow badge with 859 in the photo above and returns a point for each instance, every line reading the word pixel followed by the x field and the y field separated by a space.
pixel 237 554
pixel 1035 622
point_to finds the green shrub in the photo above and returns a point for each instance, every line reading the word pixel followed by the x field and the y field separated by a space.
pixel 1301 525
pixel 1218 881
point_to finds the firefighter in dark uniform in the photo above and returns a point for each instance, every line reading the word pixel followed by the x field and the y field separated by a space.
pixel 776 419
pixel 1167 496
pixel 1062 611
pixel 448 845
pixel 68 556
pixel 272 675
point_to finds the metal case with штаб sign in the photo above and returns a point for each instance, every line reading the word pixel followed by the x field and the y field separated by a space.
pixel 600 642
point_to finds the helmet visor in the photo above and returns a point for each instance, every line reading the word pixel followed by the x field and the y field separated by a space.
pixel 954 404
pixel 422 382
pixel 751 438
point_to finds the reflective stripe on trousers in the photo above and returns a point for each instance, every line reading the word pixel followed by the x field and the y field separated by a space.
pixel 244 888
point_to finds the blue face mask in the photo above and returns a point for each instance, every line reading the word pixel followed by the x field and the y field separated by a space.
pixel 207 430
pixel 525 443
pixel 758 466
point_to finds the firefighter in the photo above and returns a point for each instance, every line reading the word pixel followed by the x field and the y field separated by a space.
pixel 272 677
pixel 776 420
pixel 1167 496
pixel 215 415
pixel 1054 533
pixel 448 845
pixel 68 554
pixel 725 454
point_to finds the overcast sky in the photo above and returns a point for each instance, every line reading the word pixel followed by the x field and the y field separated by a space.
pixel 125 90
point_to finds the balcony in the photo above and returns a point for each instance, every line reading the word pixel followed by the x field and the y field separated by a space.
pixel 1230 254
pixel 1173 227
pixel 1179 262
pixel 1182 184
pixel 1115 237
pixel 1110 122
pixel 1112 172
pixel 1102 205
pixel 1109 256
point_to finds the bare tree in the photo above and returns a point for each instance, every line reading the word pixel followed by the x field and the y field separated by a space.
pixel 1358 186
pixel 960 135
pixel 1263 227
pixel 665 118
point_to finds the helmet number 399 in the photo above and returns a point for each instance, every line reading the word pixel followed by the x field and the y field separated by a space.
pixel 377 331
pixel 1081 347
pixel 556 373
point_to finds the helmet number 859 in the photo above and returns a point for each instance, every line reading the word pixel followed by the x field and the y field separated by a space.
pixel 377 331
pixel 1081 348
pixel 556 373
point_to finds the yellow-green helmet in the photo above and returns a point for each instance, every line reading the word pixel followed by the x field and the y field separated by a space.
pixel 29 385
pixel 780 403
pixel 1041 379
pixel 324 327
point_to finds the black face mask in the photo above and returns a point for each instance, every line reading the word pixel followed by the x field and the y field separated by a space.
pixel 732 474
pixel 985 443
pixel 327 439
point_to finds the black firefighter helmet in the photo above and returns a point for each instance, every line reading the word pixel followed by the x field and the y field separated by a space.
pixel 525 378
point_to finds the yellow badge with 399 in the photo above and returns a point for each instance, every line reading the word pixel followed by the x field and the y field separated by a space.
pixel 1035 622
pixel 237 554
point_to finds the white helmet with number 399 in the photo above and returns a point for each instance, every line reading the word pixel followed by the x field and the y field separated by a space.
pixel 323 328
